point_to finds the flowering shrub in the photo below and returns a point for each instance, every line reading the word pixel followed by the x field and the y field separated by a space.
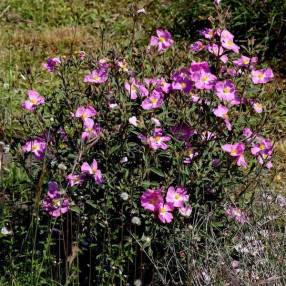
pixel 129 146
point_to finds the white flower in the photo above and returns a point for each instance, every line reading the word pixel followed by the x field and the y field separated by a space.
pixel 137 282
pixel 136 220
pixel 141 11
pixel 133 120
pixel 6 231
pixel 124 160
pixel 113 105
pixel 124 196
pixel 156 121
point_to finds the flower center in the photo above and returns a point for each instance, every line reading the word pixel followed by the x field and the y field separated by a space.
pixel 262 146
pixel 96 78
pixel 162 40
pixel 35 147
pixel 183 85
pixel 245 61
pixel 57 202
pixel 226 90
pixel 261 75
pixel 177 197
pixel 233 152
pixel 229 43
pixel 157 138
pixel 163 210
pixel 33 101
pixel 205 78
pixel 154 100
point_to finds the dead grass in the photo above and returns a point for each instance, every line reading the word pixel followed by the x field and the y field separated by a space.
pixel 52 39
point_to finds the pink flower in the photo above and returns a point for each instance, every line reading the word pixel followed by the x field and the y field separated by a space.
pixel 152 199
pixel 185 211
pixel 190 155
pixel 258 107
pixel 53 203
pixel 162 41
pixel 34 100
pixel 52 64
pixel 133 87
pixel 183 84
pixel 159 85
pixel 133 121
pixel 177 196
pixel 263 149
pixel 207 33
pixel 197 47
pixel 93 171
pixel 85 112
pixel 263 145
pixel 157 140
pixel 217 2
pixel 244 61
pixel 221 111
pixel 225 90
pixel 165 213
pixel 155 100
pixel 196 68
pixel 98 76
pixel 74 180
pixel 236 150
pixel 218 52
pixel 226 39
pixel 91 130
pixel 262 76
pixel 237 214
pixel 204 80
pixel 36 146
pixel 248 134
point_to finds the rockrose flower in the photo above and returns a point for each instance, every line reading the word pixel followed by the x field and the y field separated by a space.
pixel 177 196
pixel 152 199
pixel 74 180
pixel 155 100
pixel 34 99
pixel 36 146
pixel 262 76
pixel 237 214
pixel 54 204
pixel 236 150
pixel 221 111
pixel 158 140
pixel 165 213
pixel 93 171
pixel 218 52
pixel 190 154
pixel 204 80
pixel 244 61
pixel 91 130
pixel 225 90
pixel 207 33
pixel 133 87
pixel 262 149
pixel 162 41
pixel 197 47
pixel 226 39
pixel 258 107
pixel 185 211
pixel 97 76
pixel 52 64
pixel 183 84
pixel 85 112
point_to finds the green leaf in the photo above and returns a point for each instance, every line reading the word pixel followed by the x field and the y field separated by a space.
pixel 76 209
pixel 157 172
